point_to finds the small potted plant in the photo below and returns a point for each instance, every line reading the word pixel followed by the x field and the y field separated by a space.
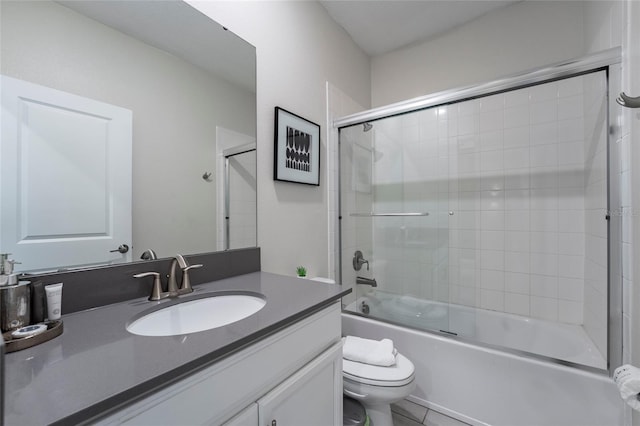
pixel 301 271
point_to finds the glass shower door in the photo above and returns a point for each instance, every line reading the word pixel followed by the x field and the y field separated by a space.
pixel 356 222
pixel 394 208
pixel 514 251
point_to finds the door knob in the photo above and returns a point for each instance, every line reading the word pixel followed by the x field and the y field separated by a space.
pixel 122 248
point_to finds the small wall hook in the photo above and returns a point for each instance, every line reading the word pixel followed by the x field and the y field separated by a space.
pixel 628 101
pixel 207 176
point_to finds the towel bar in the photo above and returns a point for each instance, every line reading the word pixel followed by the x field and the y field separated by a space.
pixel 387 214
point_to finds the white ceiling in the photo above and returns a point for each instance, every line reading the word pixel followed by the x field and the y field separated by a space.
pixel 380 26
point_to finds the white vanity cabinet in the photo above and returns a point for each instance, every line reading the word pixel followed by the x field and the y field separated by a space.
pixel 311 397
pixel 292 377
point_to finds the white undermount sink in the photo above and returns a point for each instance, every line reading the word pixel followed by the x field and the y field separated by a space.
pixel 195 315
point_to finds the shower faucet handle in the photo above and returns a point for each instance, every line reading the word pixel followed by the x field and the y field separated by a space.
pixel 359 260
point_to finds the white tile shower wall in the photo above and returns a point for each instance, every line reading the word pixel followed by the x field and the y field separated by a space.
pixel 411 176
pixel 503 178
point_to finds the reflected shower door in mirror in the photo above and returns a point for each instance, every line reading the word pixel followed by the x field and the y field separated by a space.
pixel 181 75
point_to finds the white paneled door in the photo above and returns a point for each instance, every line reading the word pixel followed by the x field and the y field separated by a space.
pixel 65 178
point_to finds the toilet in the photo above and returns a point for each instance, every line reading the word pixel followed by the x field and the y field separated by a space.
pixel 376 387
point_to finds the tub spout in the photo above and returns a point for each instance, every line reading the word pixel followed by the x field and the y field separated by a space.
pixel 366 281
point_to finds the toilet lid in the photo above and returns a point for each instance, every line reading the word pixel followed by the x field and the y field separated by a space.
pixel 398 374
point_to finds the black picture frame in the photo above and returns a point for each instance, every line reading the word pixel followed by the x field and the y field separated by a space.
pixel 296 151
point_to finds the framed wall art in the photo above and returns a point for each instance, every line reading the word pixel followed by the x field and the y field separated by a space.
pixel 297 149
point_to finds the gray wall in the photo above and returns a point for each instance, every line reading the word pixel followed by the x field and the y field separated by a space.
pixel 513 39
pixel 299 48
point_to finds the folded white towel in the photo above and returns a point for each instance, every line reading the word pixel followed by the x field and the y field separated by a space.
pixel 369 351
pixel 627 377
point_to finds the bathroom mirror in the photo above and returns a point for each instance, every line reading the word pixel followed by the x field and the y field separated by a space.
pixel 188 85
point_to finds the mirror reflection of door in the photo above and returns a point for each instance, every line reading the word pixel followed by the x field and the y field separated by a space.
pixel 66 178
pixel 236 189
pixel 240 198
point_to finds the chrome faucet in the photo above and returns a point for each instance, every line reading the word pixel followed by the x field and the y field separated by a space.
pixel 156 290
pixel 366 281
pixel 185 285
pixel 172 285
pixel 149 254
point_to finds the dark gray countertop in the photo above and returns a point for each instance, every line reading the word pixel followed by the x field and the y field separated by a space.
pixel 96 364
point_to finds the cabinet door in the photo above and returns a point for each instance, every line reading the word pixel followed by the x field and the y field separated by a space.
pixel 247 417
pixel 311 397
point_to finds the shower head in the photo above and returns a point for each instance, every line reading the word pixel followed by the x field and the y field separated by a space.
pixel 367 126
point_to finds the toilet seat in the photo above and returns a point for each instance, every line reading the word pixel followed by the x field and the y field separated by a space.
pixel 398 374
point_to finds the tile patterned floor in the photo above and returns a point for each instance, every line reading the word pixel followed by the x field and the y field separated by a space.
pixel 406 413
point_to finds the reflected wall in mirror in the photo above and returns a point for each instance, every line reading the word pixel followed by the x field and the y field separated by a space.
pixel 189 85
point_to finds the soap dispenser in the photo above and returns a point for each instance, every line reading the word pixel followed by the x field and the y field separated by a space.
pixel 15 297
pixel 7 277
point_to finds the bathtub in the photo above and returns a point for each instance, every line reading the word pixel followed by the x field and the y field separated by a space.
pixel 486 386
pixel 565 342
